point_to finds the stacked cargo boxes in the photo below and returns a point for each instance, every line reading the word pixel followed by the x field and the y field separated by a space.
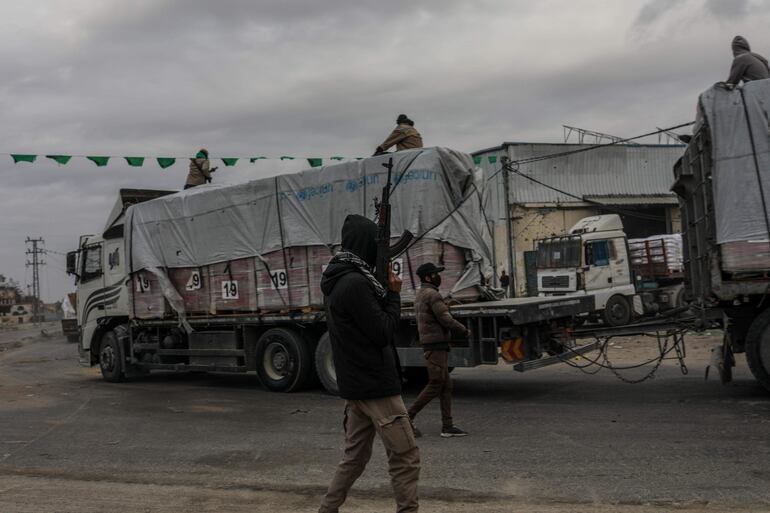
pixel 284 280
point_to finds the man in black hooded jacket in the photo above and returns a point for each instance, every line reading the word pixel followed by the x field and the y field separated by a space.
pixel 747 65
pixel 362 317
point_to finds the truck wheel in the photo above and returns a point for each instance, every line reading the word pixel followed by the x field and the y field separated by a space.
pixel 758 349
pixel 617 311
pixel 283 360
pixel 111 359
pixel 324 365
pixel 416 377
pixel 73 339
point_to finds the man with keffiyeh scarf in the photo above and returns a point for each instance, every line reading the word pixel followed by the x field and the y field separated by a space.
pixel 362 317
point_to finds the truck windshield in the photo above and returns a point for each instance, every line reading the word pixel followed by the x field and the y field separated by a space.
pixel 561 252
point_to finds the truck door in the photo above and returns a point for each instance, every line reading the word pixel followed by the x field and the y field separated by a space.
pixel 619 262
pixel 597 273
pixel 90 290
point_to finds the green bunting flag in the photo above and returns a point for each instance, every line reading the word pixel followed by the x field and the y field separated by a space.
pixel 60 159
pixel 337 157
pixel 165 162
pixel 477 160
pixel 135 161
pixel 229 161
pixel 315 162
pixel 286 157
pixel 99 161
pixel 254 159
pixel 22 158
pixel 492 159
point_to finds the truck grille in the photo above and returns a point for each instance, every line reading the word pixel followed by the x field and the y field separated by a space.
pixel 554 282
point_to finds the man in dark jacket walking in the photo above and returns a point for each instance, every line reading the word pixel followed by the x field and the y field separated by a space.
pixel 362 317
pixel 747 65
pixel 435 326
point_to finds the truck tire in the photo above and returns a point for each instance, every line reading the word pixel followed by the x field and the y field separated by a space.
pixel 758 349
pixel 283 359
pixel 416 377
pixel 111 358
pixel 617 311
pixel 324 365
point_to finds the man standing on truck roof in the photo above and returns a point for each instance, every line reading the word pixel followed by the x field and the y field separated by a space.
pixel 405 136
pixel 362 317
pixel 747 65
pixel 505 282
pixel 435 325
pixel 200 172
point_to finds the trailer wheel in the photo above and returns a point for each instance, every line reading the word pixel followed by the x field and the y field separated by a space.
pixel 283 360
pixel 111 359
pixel 617 311
pixel 416 377
pixel 758 349
pixel 324 365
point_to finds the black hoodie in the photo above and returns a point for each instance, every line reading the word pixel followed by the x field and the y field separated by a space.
pixel 361 324
pixel 747 65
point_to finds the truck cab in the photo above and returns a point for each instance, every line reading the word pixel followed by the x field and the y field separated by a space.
pixel 592 258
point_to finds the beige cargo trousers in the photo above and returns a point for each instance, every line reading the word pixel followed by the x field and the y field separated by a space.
pixel 387 417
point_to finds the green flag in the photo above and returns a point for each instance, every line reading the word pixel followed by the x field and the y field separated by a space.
pixel 229 161
pixel 315 162
pixel 337 157
pixel 22 158
pixel 99 161
pixel 135 161
pixel 60 159
pixel 286 157
pixel 492 159
pixel 254 159
pixel 165 162
pixel 477 160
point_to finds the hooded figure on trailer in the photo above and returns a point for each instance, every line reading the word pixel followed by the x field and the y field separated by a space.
pixel 747 65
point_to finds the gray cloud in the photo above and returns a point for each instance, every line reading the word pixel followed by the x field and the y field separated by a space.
pixel 730 9
pixel 308 78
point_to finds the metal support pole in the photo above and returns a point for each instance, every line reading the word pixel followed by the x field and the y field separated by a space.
pixel 509 227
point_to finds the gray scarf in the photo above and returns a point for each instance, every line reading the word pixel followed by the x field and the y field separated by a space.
pixel 349 258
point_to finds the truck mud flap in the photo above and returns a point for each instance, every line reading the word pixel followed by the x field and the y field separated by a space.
pixel 557 358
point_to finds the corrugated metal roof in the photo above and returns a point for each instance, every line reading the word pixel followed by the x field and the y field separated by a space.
pixel 621 171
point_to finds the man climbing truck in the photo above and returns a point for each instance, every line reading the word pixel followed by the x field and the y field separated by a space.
pixel 172 283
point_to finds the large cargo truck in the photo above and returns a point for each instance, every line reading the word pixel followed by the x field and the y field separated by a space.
pixel 627 278
pixel 723 185
pixel 226 278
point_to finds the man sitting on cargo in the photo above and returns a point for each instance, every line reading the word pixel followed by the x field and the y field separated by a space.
pixel 747 65
pixel 199 170
pixel 405 136
pixel 435 326
pixel 362 317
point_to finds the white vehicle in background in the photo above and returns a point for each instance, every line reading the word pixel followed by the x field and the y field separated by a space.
pixel 626 278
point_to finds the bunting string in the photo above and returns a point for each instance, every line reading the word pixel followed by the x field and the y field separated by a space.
pixel 166 162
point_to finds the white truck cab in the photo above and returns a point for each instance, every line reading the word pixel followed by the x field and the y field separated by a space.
pixel 593 258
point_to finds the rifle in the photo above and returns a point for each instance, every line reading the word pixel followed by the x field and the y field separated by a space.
pixel 384 250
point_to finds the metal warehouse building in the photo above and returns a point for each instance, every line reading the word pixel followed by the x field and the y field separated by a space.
pixel 632 180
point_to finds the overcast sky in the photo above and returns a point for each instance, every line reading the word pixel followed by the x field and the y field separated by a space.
pixel 320 78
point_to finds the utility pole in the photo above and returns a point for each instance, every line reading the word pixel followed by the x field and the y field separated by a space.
pixel 33 254
pixel 509 228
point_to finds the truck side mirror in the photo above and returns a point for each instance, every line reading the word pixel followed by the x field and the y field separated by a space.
pixel 72 263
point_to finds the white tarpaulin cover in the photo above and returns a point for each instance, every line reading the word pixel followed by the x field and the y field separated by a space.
pixel 738 202
pixel 436 194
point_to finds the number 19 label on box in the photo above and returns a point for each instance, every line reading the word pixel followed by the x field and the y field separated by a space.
pixel 230 289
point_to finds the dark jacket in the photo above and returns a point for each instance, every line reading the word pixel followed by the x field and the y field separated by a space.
pixel 361 324
pixel 434 322
pixel 747 66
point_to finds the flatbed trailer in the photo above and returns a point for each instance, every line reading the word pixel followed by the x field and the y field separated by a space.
pixel 286 349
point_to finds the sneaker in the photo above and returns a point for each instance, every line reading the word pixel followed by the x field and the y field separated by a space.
pixel 417 432
pixel 452 431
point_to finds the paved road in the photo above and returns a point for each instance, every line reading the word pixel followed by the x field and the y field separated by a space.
pixel 553 440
